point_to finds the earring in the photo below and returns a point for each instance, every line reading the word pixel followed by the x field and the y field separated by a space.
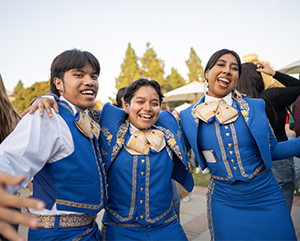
pixel 58 89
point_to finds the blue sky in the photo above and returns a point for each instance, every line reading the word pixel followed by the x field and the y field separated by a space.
pixel 34 32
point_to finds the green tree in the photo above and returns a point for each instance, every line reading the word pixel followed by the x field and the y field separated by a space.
pixel 152 67
pixel 18 87
pixel 174 80
pixel 27 95
pixel 195 67
pixel 130 70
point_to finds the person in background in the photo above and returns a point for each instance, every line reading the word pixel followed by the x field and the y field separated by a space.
pixel 232 136
pixel 296 117
pixel 120 98
pixel 165 106
pixel 277 100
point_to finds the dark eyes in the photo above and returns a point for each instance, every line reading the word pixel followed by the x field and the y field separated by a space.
pixel 232 67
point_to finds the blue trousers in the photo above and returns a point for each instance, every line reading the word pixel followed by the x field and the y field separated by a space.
pixel 284 173
pixel 126 231
pixel 90 232
pixel 176 199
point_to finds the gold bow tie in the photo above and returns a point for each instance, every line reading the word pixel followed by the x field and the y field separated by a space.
pixel 141 142
pixel 220 112
pixel 87 125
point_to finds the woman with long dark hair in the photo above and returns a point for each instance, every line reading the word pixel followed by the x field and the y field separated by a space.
pixel 277 100
pixel 231 136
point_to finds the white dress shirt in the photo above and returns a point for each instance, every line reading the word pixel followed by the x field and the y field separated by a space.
pixel 34 142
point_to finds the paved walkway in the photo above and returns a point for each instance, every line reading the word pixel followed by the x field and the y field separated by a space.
pixel 193 216
pixel 194 220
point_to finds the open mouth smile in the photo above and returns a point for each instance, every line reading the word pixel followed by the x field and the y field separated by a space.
pixel 88 93
pixel 145 116
pixel 223 82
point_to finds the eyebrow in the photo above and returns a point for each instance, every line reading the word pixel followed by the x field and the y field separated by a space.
pixel 226 62
pixel 81 70
pixel 141 97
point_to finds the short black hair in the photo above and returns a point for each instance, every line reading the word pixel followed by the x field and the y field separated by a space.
pixel 136 85
pixel 215 57
pixel 119 97
pixel 71 59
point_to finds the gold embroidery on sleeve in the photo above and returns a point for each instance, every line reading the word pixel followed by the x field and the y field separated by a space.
pixel 120 139
pixel 107 134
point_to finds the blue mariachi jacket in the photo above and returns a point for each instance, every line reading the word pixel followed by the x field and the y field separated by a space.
pixel 77 182
pixel 254 124
pixel 139 187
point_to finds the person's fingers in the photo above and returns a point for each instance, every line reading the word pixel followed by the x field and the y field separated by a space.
pixel 9 232
pixel 41 108
pixel 25 111
pixel 7 199
pixel 48 109
pixel 8 179
pixel 16 217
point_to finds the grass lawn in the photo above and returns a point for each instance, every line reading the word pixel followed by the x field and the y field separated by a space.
pixel 201 179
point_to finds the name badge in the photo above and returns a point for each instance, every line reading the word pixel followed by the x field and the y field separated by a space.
pixel 210 156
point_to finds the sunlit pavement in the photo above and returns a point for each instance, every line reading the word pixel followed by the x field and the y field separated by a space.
pixel 193 215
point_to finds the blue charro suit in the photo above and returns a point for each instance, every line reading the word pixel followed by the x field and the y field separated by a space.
pixel 76 183
pixel 139 186
pixel 243 193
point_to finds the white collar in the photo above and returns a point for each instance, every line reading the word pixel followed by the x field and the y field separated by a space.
pixel 74 108
pixel 132 129
pixel 227 99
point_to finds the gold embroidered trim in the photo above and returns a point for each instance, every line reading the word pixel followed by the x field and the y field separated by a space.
pixel 95 114
pixel 238 156
pixel 210 191
pixel 65 221
pixel 107 134
pixel 147 198
pixel 133 194
pixel 86 232
pixel 129 225
pixel 99 170
pixel 244 108
pixel 77 205
pixel 120 139
pixel 171 141
pixel 221 145
pixel 67 107
pixel 179 133
pixel 194 114
pixel 102 151
pixel 84 205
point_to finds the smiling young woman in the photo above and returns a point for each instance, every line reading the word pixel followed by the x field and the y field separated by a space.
pixel 142 151
pixel 231 136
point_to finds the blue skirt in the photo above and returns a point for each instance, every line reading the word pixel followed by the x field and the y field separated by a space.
pixel 254 210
